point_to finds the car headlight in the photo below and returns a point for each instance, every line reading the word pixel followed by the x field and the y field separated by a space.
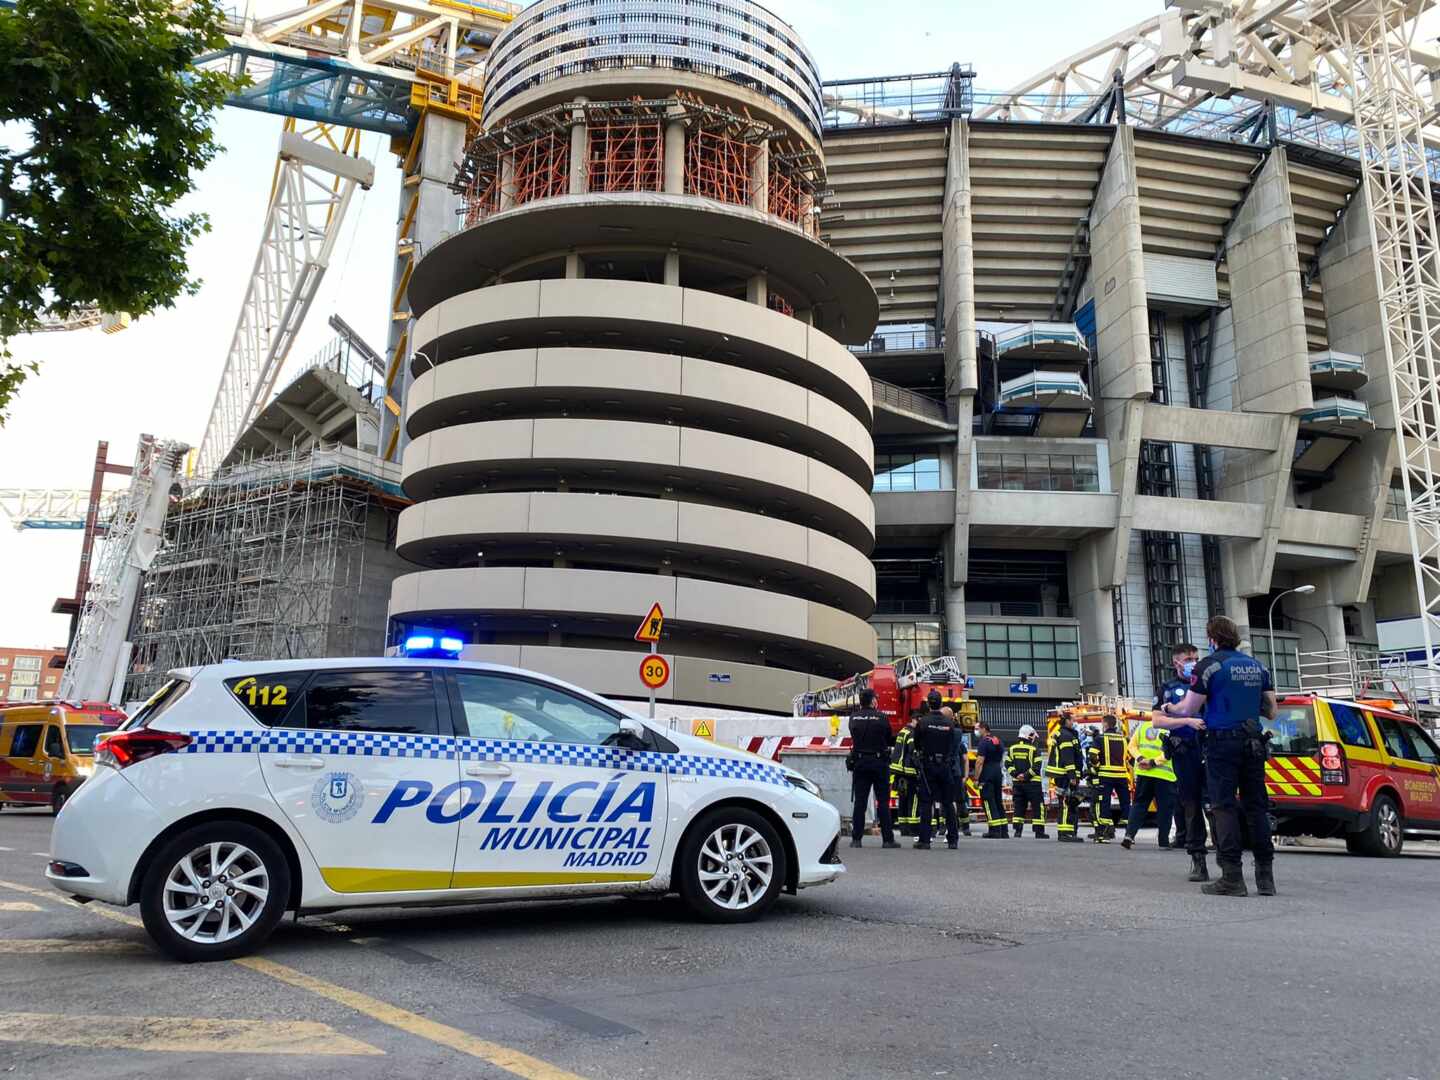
pixel 796 780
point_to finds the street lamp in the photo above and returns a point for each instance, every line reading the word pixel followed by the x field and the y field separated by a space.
pixel 1301 590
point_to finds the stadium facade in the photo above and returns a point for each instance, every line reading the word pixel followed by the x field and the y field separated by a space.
pixel 836 382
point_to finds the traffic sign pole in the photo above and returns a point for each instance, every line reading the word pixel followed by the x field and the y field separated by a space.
pixel 652 692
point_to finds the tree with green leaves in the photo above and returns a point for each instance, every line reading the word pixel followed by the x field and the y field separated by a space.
pixel 104 127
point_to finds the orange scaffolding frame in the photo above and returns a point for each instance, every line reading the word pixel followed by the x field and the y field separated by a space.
pixel 540 168
pixel 790 200
pixel 718 166
pixel 627 156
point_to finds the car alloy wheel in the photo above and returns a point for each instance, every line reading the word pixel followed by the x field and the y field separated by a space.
pixel 1387 820
pixel 216 892
pixel 736 866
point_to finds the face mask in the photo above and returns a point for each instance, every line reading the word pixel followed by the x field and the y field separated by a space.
pixel 1187 669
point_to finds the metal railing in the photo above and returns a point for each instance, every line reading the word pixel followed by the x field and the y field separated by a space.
pixel 899 99
pixel 897 397
pixel 884 340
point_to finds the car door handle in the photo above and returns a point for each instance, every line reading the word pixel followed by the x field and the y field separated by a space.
pixel 297 761
pixel 487 768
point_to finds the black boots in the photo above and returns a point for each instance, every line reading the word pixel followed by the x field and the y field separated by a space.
pixel 1265 880
pixel 855 841
pixel 1128 842
pixel 890 844
pixel 1231 883
pixel 1198 870
pixel 1040 833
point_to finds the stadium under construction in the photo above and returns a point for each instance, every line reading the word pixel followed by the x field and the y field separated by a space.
pixel 835 372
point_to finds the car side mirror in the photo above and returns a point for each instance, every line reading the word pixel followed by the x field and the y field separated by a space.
pixel 632 728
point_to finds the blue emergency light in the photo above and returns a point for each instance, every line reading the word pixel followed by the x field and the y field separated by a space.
pixel 432 646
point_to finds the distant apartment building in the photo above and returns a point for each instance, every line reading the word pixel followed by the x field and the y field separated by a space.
pixel 30 674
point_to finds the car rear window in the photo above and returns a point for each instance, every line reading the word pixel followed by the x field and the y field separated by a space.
pixel 1292 730
pixel 157 704
pixel 82 736
pixel 1350 725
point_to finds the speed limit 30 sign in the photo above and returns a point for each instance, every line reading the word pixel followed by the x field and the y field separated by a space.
pixel 654 671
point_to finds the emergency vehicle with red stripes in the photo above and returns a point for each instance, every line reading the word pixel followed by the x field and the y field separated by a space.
pixel 1360 768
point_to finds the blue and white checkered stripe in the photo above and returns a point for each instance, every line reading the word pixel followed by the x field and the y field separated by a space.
pixel 579 755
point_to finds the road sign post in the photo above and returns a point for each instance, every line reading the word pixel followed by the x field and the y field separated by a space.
pixel 654 669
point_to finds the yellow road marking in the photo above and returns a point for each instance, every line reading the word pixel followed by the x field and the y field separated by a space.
pixel 512 1061
pixel 19 905
pixel 180 1034
pixel 96 908
pixel 66 945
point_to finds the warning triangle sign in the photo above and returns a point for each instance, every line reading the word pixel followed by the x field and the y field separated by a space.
pixel 702 729
pixel 651 625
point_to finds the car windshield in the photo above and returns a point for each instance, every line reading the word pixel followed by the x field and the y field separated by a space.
pixel 1292 730
pixel 81 737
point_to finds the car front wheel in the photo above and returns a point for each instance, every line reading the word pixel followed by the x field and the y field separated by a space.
pixel 215 891
pixel 732 866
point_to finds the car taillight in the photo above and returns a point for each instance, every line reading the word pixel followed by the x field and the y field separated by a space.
pixel 125 748
pixel 1333 769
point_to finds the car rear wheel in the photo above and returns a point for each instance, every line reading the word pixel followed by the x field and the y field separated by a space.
pixel 57 801
pixel 215 891
pixel 732 866
pixel 1385 835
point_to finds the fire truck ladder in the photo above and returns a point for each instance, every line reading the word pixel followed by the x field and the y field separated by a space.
pixel 909 671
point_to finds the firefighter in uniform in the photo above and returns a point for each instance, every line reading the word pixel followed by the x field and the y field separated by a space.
pixel 1110 777
pixel 1023 761
pixel 989 773
pixel 870 758
pixel 903 778
pixel 1064 768
pixel 1154 779
pixel 935 737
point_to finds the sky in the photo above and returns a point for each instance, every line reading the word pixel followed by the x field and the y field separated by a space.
pixel 159 376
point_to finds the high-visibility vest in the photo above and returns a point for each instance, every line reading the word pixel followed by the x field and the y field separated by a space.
pixel 1149 742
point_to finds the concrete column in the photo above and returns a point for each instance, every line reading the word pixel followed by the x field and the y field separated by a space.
pixel 579 151
pixel 574 266
pixel 675 157
pixel 760 179
pixel 507 183
pixel 1090 597
pixel 956 555
pixel 757 290
pixel 434 219
pixel 1122 331
pixel 672 267
pixel 1319 620
pixel 957 318
pixel 1273 363
pixel 1352 311
pixel 957 274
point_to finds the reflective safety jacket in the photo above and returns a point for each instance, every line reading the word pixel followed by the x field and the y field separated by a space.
pixel 1022 761
pixel 902 754
pixel 1108 756
pixel 1065 759
pixel 1149 742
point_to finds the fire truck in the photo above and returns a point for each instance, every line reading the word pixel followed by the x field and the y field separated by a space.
pixel 900 690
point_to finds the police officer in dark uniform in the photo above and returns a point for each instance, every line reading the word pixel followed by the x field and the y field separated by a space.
pixel 935 736
pixel 989 773
pixel 871 740
pixel 1183 747
pixel 1231 692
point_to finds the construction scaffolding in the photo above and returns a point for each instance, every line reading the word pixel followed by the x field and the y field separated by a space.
pixel 624 151
pixel 266 559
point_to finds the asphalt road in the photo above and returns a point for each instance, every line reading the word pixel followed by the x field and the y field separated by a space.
pixel 1019 958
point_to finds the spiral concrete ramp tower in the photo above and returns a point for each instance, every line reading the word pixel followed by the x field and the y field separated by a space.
pixel 630 380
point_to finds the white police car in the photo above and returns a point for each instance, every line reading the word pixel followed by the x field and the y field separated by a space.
pixel 243 790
